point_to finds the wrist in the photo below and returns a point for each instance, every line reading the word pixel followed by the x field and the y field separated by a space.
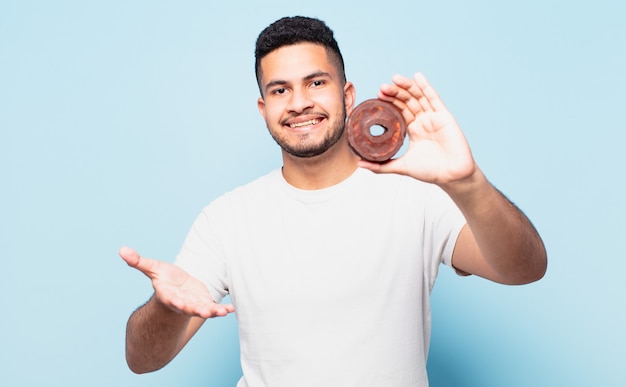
pixel 473 185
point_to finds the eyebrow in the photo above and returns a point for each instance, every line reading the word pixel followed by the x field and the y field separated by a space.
pixel 280 82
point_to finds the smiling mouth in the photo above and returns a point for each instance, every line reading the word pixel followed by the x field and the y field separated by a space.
pixel 311 122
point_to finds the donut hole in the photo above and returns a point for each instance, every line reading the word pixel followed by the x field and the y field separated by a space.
pixel 377 130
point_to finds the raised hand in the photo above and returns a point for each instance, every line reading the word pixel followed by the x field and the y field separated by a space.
pixel 438 151
pixel 175 288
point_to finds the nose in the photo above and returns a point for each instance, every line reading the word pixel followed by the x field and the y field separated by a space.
pixel 299 101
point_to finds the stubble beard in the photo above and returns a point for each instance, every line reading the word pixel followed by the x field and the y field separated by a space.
pixel 305 149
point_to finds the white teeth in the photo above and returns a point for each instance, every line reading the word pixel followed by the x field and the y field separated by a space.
pixel 305 123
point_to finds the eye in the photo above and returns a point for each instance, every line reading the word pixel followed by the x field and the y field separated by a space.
pixel 317 83
pixel 279 91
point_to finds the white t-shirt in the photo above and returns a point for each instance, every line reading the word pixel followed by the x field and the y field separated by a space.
pixel 331 287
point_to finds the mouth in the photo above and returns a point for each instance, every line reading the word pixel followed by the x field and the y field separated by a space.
pixel 304 124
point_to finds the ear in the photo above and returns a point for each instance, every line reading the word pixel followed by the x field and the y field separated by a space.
pixel 349 95
pixel 260 103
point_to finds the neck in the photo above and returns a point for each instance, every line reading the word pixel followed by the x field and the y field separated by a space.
pixel 330 168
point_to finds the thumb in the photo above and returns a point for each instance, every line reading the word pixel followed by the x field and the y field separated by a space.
pixel 133 259
pixel 389 166
pixel 130 256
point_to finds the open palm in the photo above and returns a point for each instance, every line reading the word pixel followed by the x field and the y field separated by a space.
pixel 175 288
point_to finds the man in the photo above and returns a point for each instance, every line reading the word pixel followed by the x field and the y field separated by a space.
pixel 330 261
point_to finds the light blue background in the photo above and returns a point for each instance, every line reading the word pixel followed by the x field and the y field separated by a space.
pixel 120 120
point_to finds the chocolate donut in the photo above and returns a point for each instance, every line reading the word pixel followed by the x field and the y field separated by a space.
pixel 372 147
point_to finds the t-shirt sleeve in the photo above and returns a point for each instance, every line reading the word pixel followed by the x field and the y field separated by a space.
pixel 201 254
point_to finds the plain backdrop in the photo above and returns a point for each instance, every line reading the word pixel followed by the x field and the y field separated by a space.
pixel 120 120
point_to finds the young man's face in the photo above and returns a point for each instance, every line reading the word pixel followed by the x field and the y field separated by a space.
pixel 304 101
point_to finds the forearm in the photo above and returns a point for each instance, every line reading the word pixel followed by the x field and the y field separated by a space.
pixel 507 240
pixel 154 335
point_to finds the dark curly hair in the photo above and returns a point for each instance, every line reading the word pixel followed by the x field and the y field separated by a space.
pixel 293 30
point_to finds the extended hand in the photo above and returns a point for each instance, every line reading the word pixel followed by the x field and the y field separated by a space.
pixel 438 151
pixel 175 288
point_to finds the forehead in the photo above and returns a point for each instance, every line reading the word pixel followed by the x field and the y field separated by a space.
pixel 296 61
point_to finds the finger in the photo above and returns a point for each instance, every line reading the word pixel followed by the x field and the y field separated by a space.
pixel 392 166
pixel 394 95
pixel 406 95
pixel 129 255
pixel 429 92
pixel 133 259
pixel 220 310
pixel 389 90
pixel 413 92
pixel 395 92
pixel 205 308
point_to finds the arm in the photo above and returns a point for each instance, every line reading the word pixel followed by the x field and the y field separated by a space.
pixel 157 331
pixel 498 242
pixel 155 335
